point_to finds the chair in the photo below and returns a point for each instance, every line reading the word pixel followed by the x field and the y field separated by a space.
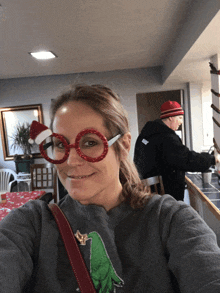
pixel 155 183
pixel 7 179
pixel 44 176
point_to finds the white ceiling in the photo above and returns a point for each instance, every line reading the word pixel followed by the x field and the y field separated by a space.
pixel 100 35
pixel 195 64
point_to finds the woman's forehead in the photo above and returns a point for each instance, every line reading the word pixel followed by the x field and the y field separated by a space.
pixel 76 116
pixel 74 106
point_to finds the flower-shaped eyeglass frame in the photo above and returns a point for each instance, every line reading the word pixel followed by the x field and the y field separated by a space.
pixel 75 145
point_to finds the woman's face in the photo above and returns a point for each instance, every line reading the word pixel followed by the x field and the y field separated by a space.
pixel 89 183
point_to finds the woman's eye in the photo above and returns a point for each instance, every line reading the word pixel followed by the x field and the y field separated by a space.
pixel 58 144
pixel 90 143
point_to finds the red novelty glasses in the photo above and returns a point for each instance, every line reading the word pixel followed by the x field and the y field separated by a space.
pixel 90 145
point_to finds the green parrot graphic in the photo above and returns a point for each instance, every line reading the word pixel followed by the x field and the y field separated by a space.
pixel 102 272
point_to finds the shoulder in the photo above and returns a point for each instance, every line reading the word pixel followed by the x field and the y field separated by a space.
pixel 175 217
pixel 30 214
pixel 168 211
pixel 167 204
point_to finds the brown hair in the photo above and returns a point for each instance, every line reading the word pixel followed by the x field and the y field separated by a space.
pixel 105 102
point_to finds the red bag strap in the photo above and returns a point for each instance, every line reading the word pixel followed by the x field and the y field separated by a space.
pixel 77 262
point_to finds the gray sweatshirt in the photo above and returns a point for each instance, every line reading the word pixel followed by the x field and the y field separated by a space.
pixel 166 247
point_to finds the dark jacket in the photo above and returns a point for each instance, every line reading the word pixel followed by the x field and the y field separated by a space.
pixel 160 151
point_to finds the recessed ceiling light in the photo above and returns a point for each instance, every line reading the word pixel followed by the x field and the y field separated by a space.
pixel 43 55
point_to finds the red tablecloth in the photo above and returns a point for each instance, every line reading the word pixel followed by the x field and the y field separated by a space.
pixel 17 199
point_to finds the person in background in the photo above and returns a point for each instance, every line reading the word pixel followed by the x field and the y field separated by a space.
pixel 133 241
pixel 160 151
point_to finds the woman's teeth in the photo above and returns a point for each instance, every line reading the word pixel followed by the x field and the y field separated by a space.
pixel 80 177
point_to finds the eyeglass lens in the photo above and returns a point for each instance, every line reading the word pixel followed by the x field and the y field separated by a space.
pixel 90 145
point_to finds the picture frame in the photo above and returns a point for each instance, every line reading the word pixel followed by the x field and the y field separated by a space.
pixel 12 116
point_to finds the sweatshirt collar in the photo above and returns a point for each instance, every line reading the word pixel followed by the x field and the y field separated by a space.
pixel 75 210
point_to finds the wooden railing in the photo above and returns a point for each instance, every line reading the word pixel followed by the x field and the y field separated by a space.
pixel 203 205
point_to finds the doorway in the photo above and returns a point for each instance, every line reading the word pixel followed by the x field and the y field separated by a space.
pixel 148 107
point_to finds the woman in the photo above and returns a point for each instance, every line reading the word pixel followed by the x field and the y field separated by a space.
pixel 144 243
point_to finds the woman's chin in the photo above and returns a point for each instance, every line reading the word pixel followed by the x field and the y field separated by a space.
pixel 79 196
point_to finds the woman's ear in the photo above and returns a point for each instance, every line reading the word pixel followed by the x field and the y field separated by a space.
pixel 126 142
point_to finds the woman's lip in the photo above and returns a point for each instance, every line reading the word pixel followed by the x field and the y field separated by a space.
pixel 80 177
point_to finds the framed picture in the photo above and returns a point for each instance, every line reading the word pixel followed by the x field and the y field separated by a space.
pixel 10 120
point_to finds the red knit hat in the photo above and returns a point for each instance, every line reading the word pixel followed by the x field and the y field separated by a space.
pixel 170 108
pixel 38 132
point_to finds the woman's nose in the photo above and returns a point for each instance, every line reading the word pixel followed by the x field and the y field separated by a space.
pixel 74 158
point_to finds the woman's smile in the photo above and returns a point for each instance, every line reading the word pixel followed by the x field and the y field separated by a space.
pixel 81 177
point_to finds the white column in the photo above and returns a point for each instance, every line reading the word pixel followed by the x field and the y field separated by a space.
pixel 195 93
pixel 215 84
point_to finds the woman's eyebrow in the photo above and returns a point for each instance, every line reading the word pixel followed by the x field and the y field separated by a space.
pixel 57 138
pixel 107 135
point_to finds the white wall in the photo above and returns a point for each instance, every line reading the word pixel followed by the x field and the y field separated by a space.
pixel 215 85
pixel 200 100
pixel 208 132
pixel 40 90
pixel 196 116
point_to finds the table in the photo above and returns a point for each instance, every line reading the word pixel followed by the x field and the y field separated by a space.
pixel 17 199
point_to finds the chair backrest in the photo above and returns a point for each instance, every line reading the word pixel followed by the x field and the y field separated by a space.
pixel 7 176
pixel 156 184
pixel 44 176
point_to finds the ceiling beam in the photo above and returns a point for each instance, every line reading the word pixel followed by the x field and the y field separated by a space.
pixel 199 15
